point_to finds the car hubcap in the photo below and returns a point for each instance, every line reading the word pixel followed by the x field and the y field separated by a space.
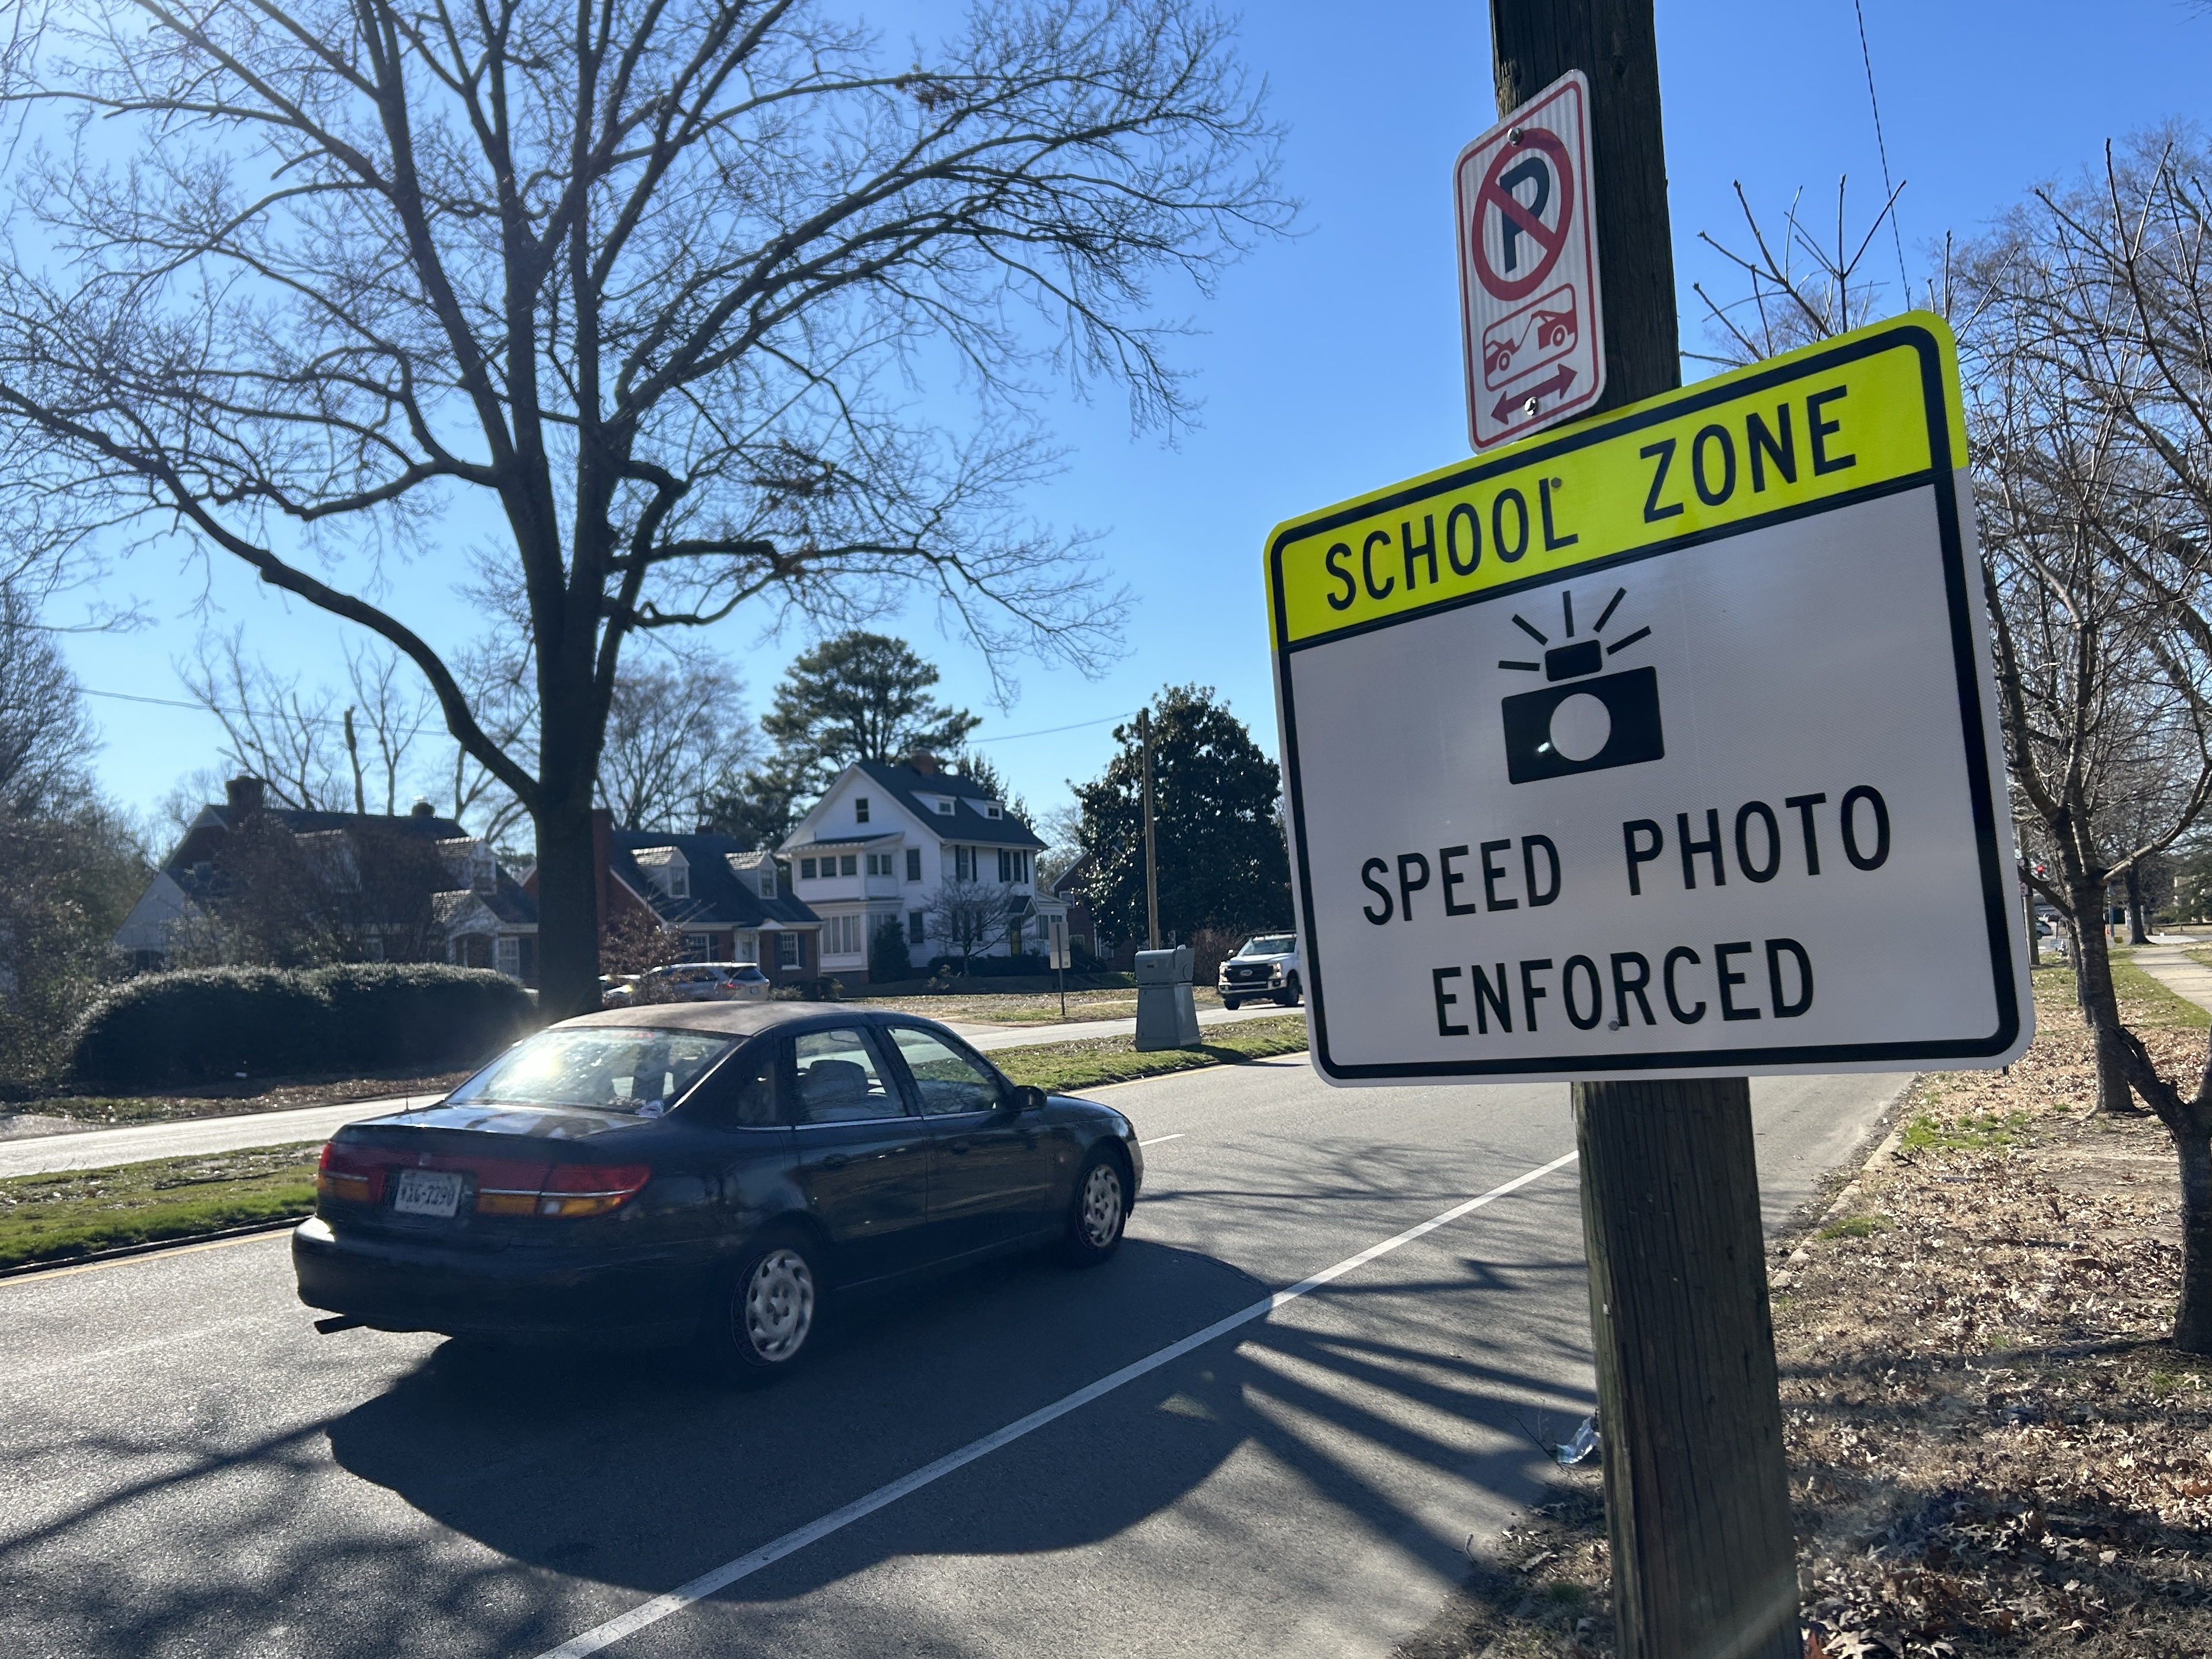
pixel 1102 1207
pixel 779 1308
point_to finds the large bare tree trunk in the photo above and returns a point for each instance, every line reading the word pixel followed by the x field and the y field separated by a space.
pixel 2192 1319
pixel 2093 989
pixel 2137 933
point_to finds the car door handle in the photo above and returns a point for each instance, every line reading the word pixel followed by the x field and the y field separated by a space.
pixel 835 1161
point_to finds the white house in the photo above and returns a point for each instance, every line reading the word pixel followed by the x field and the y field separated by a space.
pixel 883 842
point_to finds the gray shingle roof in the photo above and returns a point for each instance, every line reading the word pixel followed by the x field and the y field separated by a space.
pixel 719 899
pixel 964 825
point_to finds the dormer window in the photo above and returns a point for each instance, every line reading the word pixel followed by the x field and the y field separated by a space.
pixel 767 879
pixel 860 809
pixel 944 808
pixel 666 868
pixel 990 809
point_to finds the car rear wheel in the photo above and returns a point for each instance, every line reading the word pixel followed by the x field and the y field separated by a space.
pixel 1288 996
pixel 1100 1213
pixel 760 1327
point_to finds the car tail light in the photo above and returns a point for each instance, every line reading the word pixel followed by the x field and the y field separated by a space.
pixel 348 1174
pixel 575 1189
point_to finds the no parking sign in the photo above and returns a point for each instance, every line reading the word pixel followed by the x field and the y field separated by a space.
pixel 1528 260
pixel 1662 746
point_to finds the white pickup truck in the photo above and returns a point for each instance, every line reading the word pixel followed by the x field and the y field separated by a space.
pixel 1265 965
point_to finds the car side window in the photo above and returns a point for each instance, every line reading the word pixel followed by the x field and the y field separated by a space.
pixel 836 1078
pixel 946 1080
pixel 742 1094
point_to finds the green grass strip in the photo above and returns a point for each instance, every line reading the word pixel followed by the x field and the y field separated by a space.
pixel 1066 1067
pixel 73 1213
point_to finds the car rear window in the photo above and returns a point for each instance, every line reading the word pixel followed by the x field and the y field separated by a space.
pixel 607 1068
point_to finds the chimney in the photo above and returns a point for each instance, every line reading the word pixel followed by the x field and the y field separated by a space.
pixel 422 809
pixel 246 794
pixel 923 762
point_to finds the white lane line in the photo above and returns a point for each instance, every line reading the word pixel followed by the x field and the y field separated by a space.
pixel 652 1612
pixel 1156 1139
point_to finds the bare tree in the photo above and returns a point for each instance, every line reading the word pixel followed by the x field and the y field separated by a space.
pixel 969 916
pixel 677 733
pixel 2093 433
pixel 1797 288
pixel 271 729
pixel 308 745
pixel 45 735
pixel 654 280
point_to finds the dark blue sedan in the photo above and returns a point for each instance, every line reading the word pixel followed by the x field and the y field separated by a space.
pixel 704 1173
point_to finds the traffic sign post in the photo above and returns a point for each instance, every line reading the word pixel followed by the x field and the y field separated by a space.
pixel 1662 747
pixel 1529 306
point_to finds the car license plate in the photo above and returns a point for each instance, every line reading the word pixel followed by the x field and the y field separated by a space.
pixel 426 1192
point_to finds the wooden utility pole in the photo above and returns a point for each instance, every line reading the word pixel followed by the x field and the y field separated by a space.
pixel 1697 1499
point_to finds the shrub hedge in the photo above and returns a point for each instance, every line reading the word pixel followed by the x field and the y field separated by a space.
pixel 207 1022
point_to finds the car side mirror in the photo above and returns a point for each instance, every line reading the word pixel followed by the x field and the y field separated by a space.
pixel 1026 1097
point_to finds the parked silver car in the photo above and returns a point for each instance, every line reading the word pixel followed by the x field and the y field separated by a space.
pixel 705 981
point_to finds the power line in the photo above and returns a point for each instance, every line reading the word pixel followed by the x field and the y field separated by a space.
pixel 1079 725
pixel 1881 149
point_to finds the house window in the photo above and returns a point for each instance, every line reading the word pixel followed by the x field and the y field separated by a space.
pixel 679 882
pixel 944 808
pixel 849 865
pixel 860 810
pixel 1010 867
pixel 507 956
pixel 699 946
pixel 991 809
pixel 964 864
pixel 806 869
pixel 786 950
pixel 767 879
pixel 914 864
pixel 917 927
pixel 840 936
pixel 880 864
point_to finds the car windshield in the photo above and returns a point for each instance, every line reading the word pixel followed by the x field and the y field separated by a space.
pixel 607 1068
pixel 1267 945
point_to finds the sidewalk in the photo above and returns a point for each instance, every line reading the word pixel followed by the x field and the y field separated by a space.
pixel 2164 961
pixel 91 1149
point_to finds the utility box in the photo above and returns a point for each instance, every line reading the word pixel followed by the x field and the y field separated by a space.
pixel 1166 1016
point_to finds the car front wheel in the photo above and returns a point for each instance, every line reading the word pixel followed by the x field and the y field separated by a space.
pixel 1230 1003
pixel 760 1326
pixel 1101 1212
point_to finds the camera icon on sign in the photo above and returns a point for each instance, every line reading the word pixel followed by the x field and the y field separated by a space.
pixel 1579 723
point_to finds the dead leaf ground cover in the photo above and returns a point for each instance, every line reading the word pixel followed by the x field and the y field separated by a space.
pixel 1993 1449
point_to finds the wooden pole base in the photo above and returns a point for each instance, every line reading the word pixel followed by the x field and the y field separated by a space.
pixel 1697 1494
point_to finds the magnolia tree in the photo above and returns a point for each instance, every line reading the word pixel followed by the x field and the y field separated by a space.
pixel 638 294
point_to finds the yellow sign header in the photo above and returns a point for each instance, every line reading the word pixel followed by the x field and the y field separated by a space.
pixel 1866 409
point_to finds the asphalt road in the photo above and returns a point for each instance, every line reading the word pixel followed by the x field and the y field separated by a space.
pixel 185 1468
pixel 93 1149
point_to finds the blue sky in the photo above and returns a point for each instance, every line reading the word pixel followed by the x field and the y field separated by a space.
pixel 1329 364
